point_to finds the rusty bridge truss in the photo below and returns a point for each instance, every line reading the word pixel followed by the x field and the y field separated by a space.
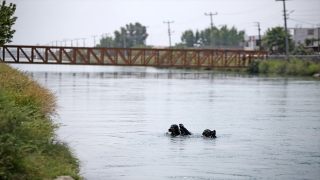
pixel 183 58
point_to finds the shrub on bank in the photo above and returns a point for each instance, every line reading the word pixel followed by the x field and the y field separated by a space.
pixel 287 67
pixel 29 148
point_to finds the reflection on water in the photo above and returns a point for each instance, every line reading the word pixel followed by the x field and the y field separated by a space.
pixel 116 120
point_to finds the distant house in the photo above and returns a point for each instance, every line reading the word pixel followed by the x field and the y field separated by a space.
pixel 251 43
pixel 299 35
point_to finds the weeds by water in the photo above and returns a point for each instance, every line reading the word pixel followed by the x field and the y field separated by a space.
pixel 29 148
pixel 295 67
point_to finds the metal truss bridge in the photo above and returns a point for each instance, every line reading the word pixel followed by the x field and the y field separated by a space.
pixel 180 58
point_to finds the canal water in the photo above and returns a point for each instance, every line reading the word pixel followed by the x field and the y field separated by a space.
pixel 116 120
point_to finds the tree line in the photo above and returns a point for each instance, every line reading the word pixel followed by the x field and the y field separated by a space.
pixel 135 35
pixel 218 37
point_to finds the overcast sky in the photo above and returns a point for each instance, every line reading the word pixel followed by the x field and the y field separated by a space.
pixel 45 21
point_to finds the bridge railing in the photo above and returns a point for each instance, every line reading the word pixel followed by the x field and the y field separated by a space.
pixel 187 58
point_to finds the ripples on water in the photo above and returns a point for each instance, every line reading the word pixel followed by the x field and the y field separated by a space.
pixel 116 120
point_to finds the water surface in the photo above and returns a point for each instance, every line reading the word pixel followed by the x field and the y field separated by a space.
pixel 116 119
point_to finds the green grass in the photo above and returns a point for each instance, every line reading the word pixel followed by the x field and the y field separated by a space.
pixel 29 148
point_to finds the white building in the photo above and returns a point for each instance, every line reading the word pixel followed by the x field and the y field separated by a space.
pixel 299 35
pixel 251 43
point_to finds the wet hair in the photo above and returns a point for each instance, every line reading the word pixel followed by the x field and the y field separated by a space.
pixel 209 133
pixel 184 131
pixel 174 129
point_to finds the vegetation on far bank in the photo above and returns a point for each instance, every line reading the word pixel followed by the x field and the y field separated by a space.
pixel 291 67
pixel 29 148
pixel 294 67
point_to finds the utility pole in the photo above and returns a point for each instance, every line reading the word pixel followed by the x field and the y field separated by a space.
pixel 169 32
pixel 285 27
pixel 65 40
pixel 210 14
pixel 84 43
pixel 77 41
pixel 56 45
pixel 124 38
pixel 319 40
pixel 71 40
pixel 94 40
pixel 258 24
pixel 106 43
pixel 147 37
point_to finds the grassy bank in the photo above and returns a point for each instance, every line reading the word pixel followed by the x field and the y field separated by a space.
pixel 294 67
pixel 29 148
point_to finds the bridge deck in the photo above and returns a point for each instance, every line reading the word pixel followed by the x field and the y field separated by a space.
pixel 185 58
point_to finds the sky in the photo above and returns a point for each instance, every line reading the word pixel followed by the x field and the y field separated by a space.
pixel 50 22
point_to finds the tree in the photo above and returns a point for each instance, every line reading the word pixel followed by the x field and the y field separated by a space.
pixel 222 37
pixel 310 41
pixel 6 22
pixel 205 37
pixel 131 35
pixel 106 42
pixel 301 49
pixel 190 39
pixel 275 40
pixel 228 37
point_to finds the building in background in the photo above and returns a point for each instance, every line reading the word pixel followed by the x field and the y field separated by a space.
pixel 251 43
pixel 300 35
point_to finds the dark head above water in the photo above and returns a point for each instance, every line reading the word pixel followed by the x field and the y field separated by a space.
pixel 174 129
pixel 209 133
pixel 184 131
pixel 181 130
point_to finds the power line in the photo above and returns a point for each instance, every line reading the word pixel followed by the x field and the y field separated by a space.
pixel 309 10
pixel 94 40
pixel 268 17
pixel 197 20
pixel 316 20
pixel 310 14
pixel 262 6
pixel 266 25
pixel 302 22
